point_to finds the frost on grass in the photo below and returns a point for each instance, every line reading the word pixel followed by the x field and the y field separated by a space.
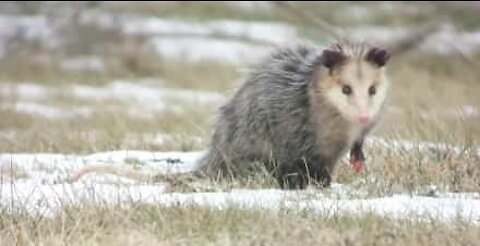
pixel 44 192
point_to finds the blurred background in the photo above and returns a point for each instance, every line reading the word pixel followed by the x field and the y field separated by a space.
pixel 78 77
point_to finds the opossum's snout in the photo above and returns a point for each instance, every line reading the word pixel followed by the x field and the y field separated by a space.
pixel 364 118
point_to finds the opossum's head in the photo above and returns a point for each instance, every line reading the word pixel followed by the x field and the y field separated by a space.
pixel 354 80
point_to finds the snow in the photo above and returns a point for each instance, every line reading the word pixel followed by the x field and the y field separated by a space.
pixel 424 147
pixel 142 98
pixel 461 112
pixel 251 6
pixel 196 41
pixel 44 191
pixel 262 35
pixel 24 91
pixel 270 32
pixel 143 93
pixel 198 49
pixel 83 63
pixel 447 40
pixel 25 27
pixel 233 41
pixel 47 111
pixel 160 138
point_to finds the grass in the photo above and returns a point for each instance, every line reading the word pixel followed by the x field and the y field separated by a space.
pixel 103 130
pixel 418 84
pixel 127 66
pixel 193 225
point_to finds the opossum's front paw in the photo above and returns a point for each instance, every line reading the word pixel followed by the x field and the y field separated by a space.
pixel 357 164
pixel 293 181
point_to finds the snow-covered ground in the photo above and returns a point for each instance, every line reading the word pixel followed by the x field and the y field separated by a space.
pixel 43 189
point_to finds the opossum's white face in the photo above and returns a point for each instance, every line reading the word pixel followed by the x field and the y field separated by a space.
pixel 357 88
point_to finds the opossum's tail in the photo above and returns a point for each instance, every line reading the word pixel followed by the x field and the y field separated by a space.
pixel 212 166
pixel 136 175
pixel 117 171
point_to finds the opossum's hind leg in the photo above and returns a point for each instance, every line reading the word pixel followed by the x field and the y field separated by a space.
pixel 321 175
pixel 292 177
pixel 179 182
pixel 303 173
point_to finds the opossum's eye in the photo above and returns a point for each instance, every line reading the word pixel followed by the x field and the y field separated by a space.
pixel 372 90
pixel 347 90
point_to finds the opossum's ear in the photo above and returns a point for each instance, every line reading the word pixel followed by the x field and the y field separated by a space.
pixel 332 58
pixel 378 56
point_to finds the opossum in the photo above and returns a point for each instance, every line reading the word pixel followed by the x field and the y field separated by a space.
pixel 298 112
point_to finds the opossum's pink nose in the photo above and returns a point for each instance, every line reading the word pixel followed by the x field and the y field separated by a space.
pixel 364 118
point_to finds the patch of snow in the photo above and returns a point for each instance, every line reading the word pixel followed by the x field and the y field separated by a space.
pixel 25 28
pixel 199 49
pixel 24 91
pixel 46 168
pixel 251 6
pixel 376 34
pixel 48 111
pixel 148 96
pixel 205 46
pixel 141 99
pixel 83 63
pixel 402 207
pixel 422 146
pixel 223 40
pixel 271 32
pixel 160 138
pixel 448 40
pixel 195 41
pixel 462 112
pixel 467 111
pixel 41 194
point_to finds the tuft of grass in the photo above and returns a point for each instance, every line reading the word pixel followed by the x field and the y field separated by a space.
pixel 141 224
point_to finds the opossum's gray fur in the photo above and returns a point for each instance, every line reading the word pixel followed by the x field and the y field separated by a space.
pixel 270 120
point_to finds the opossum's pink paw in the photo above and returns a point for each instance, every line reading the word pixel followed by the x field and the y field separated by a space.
pixel 358 165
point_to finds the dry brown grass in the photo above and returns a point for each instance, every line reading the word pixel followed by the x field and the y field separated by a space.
pixel 193 225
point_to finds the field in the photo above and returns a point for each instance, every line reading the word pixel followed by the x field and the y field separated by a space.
pixel 138 85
